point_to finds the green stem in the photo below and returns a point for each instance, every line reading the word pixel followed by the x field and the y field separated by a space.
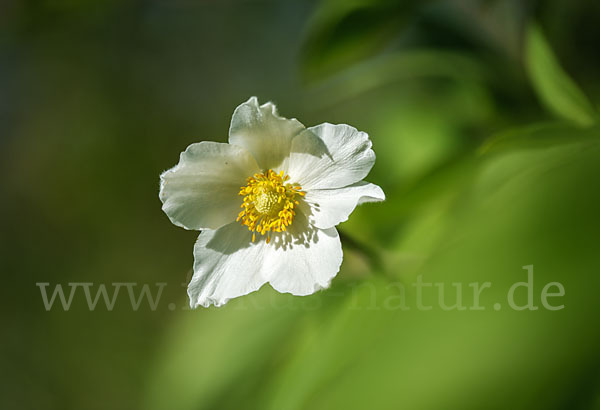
pixel 371 254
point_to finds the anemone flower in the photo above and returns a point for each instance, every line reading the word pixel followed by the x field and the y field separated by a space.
pixel 267 203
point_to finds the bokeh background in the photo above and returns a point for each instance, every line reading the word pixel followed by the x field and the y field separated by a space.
pixel 483 115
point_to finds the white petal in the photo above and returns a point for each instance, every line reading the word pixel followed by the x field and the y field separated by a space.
pixel 264 133
pixel 201 191
pixel 330 156
pixel 227 264
pixel 305 260
pixel 328 207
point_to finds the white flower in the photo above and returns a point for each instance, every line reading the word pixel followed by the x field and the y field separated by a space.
pixel 268 203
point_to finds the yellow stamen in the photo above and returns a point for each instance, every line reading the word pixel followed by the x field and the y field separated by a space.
pixel 268 204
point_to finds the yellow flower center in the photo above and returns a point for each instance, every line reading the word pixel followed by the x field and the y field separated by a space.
pixel 269 203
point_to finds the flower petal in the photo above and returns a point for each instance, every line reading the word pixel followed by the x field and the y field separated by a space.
pixel 201 191
pixel 328 207
pixel 264 133
pixel 305 258
pixel 227 264
pixel 330 156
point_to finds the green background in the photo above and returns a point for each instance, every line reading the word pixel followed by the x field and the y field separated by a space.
pixel 484 119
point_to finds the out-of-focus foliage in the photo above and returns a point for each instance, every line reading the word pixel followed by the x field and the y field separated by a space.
pixel 342 32
pixel 483 116
pixel 555 88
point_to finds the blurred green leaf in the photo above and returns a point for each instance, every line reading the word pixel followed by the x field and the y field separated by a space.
pixel 409 65
pixel 345 31
pixel 557 91
pixel 537 136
